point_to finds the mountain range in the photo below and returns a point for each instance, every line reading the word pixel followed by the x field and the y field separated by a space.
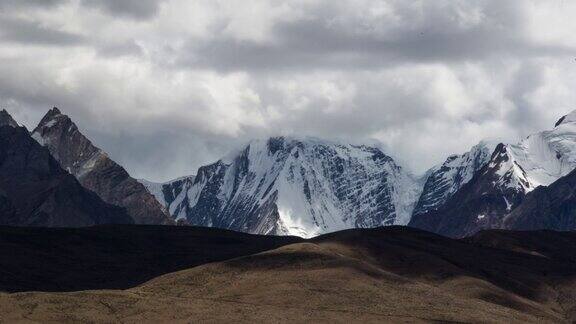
pixel 476 190
pixel 504 192
pixel 309 186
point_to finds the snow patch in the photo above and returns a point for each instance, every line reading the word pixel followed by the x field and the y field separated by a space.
pixel 50 123
pixel 155 189
pixel 36 136
pixel 508 204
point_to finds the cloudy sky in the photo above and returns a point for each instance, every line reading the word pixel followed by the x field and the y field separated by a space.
pixel 165 86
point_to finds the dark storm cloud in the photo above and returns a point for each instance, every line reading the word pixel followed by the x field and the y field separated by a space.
pixel 157 147
pixel 136 9
pixel 318 43
pixel 19 4
pixel 195 148
pixel 168 86
pixel 127 48
pixel 28 92
pixel 32 32
pixel 527 80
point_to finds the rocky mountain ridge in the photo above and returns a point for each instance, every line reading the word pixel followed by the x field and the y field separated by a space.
pixel 36 191
pixel 95 170
pixel 499 189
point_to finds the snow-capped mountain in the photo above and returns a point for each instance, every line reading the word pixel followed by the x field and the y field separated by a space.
pixel 95 170
pixel 500 187
pixel 540 159
pixel 444 180
pixel 481 203
pixel 291 186
pixel 547 156
pixel 307 187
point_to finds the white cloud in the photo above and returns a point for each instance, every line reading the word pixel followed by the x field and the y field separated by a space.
pixel 166 86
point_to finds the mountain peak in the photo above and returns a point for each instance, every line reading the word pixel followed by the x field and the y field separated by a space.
pixel 52 117
pixel 295 185
pixel 570 118
pixel 95 170
pixel 6 119
pixel 52 127
pixel 500 150
pixel 444 180
pixel 54 111
pixel 51 114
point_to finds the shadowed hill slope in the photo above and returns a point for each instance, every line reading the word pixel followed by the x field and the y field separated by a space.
pixel 393 274
pixel 114 257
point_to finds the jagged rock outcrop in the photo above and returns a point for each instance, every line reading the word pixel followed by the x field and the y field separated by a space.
pixel 96 171
pixel 36 191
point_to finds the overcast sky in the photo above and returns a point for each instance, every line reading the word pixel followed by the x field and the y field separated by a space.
pixel 167 86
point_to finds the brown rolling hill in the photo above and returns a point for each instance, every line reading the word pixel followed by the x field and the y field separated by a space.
pixel 392 274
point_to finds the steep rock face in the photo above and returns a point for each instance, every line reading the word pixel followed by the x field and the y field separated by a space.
pixel 95 170
pixel 35 191
pixel 481 203
pixel 173 195
pixel 299 187
pixel 496 190
pixel 446 179
pixel 551 208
